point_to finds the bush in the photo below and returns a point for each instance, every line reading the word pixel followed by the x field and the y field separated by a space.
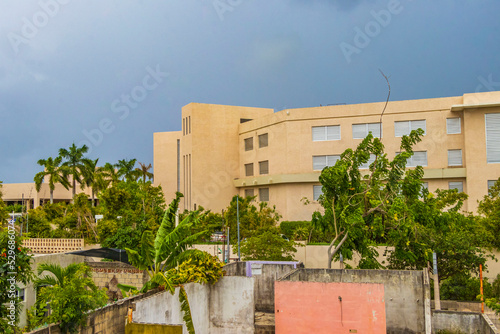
pixel 465 288
pixel 297 229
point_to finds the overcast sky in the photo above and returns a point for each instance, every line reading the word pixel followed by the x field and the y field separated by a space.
pixel 111 73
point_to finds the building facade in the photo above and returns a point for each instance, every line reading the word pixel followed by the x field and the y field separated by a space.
pixel 278 156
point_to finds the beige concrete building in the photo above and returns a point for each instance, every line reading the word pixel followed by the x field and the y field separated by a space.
pixel 226 150
pixel 26 194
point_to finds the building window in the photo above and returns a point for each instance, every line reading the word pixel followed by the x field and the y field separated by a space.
pixel 248 169
pixel 454 157
pixel 189 124
pixel 367 164
pixel 249 144
pixel 264 194
pixel 491 183
pixel 360 131
pixel 264 167
pixel 249 193
pixel 20 294
pixel 453 126
pixel 492 138
pixel 459 185
pixel 322 133
pixel 425 185
pixel 263 140
pixel 419 158
pixel 183 126
pixel 322 161
pixel 405 127
pixel 317 191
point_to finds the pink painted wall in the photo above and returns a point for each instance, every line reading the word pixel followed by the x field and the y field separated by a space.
pixel 311 307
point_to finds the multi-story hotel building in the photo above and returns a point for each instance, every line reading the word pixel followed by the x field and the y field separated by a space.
pixel 278 156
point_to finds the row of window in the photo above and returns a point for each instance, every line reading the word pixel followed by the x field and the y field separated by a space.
pixel 186 125
pixel 459 185
pixel 360 131
pixel 263 142
pixel 263 194
pixel 263 168
pixel 419 158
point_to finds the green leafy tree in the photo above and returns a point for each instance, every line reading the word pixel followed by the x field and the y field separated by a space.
pixel 489 207
pixel 268 246
pixel 4 213
pixel 129 209
pixel 55 172
pixel 389 206
pixel 463 287
pixel 70 292
pixel 15 268
pixel 109 175
pixel 75 157
pixel 168 250
pixel 253 220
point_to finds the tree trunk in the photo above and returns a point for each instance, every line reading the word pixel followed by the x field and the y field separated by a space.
pixel 51 196
pixel 330 253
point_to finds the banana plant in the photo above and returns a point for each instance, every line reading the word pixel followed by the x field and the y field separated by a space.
pixel 168 249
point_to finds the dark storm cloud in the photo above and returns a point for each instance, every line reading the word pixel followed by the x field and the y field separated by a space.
pixel 64 64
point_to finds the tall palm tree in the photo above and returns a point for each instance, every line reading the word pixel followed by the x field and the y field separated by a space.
pixel 109 174
pixel 55 172
pixel 90 178
pixel 74 161
pixel 144 171
pixel 126 169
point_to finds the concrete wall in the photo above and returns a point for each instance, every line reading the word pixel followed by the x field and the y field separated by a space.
pixel 224 308
pixel 404 292
pixel 460 322
pixel 264 279
pixel 311 307
pixel 316 256
pixel 103 272
pixel 109 319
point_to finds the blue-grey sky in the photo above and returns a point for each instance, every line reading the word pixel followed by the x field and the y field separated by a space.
pixel 117 71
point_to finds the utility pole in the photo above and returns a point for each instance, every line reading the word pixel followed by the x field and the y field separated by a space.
pixel 238 223
pixel 437 300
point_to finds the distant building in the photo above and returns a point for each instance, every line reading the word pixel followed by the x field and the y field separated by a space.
pixel 227 150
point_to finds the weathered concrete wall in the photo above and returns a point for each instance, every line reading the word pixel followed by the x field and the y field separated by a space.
pixel 223 308
pixel 404 292
pixel 135 328
pixel 103 272
pixel 460 322
pixel 264 274
pixel 312 307
pixel 315 257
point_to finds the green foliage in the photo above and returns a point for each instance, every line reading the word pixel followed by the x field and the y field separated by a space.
pixel 70 292
pixel 464 287
pixel 139 205
pixel 15 267
pixel 389 206
pixel 4 213
pixel 166 251
pixel 128 290
pixel 253 220
pixel 74 164
pixel 489 207
pixel 268 246
pixel 55 172
pixel 15 207
pixel 201 268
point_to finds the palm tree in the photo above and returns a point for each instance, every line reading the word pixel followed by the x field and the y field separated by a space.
pixel 109 174
pixel 56 173
pixel 74 161
pixel 126 169
pixel 144 171
pixel 90 178
pixel 168 250
pixel 71 293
